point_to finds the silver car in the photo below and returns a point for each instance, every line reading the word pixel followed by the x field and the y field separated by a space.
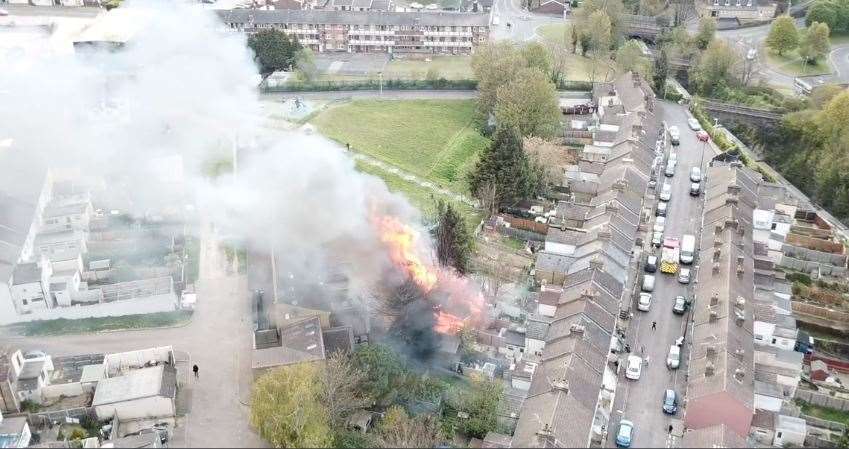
pixel 684 275
pixel 665 192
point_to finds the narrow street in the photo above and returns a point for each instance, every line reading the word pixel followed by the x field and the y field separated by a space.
pixel 640 401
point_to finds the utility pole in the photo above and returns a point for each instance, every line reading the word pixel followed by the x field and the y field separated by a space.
pixel 380 75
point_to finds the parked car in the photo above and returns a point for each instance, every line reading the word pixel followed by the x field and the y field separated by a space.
pixel 661 209
pixel 674 135
pixel 35 354
pixel 680 305
pixel 625 434
pixel 648 282
pixel 696 174
pixel 684 275
pixel 694 124
pixel 657 239
pixel 673 360
pixel 695 188
pixel 703 135
pixel 651 264
pixel 659 224
pixel 666 192
pixel 644 304
pixel 670 402
pixel 669 171
pixel 635 367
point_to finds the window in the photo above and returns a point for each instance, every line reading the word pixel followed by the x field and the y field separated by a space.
pixel 24 302
pixel 774 225
pixel 778 435
pixel 773 341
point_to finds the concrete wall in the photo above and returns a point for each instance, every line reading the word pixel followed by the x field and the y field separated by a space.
pixel 160 303
pixel 822 400
pixel 768 403
pixel 54 391
pixel 152 407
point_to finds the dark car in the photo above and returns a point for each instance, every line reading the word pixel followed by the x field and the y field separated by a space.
pixel 680 305
pixel 651 264
pixel 670 402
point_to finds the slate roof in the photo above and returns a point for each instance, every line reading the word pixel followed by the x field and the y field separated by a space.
pixel 26 273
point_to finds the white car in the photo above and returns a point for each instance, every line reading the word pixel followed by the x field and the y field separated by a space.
pixel 674 135
pixel 635 367
pixel 694 124
pixel 673 360
pixel 645 302
pixel 657 239
pixel 666 192
pixel 659 224
pixel 648 283
pixel 696 174
pixel 684 275
pixel 670 169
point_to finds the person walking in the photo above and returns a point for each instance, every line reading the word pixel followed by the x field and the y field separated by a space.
pixel 654 325
pixel 647 360
pixel 195 370
pixel 642 350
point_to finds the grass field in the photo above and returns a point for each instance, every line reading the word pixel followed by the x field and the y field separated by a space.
pixel 433 139
pixel 829 414
pixel 448 67
pixel 578 68
pixel 791 64
pixel 86 325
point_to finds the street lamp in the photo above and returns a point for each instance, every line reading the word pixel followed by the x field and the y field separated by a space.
pixel 380 75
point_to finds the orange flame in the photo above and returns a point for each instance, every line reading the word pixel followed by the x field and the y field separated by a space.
pixel 402 240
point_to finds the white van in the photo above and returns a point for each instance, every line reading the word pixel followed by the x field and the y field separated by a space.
pixel 688 249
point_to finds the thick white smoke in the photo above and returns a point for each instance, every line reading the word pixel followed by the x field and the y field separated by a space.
pixel 185 85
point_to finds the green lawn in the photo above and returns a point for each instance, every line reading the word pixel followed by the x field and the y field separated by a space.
pixel 578 68
pixel 555 32
pixel 63 326
pixel 433 139
pixel 839 39
pixel 791 64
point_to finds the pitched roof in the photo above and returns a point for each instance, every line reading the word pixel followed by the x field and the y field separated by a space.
pixel 160 380
pixel 719 435
pixel 299 342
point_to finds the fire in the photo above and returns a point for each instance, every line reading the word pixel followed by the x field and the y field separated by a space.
pixel 463 302
pixel 401 240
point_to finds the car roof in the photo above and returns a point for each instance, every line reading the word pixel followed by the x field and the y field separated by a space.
pixel 652 257
pixel 675 348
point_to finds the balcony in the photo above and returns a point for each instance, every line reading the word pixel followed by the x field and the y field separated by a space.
pixel 371 33
pixel 465 44
pixel 372 43
pixel 448 33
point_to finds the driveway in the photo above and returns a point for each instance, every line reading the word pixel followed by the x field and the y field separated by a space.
pixel 640 401
pixel 217 339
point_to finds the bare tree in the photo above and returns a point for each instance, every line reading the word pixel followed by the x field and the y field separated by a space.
pixel 487 194
pixel 341 389
pixel 551 155
pixel 400 430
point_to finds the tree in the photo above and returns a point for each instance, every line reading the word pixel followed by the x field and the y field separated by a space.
pixel 716 68
pixel 652 7
pixel 613 9
pixel 494 64
pixel 550 154
pixel 815 43
pixel 305 64
pixel 827 12
pixel 453 241
pixel 536 56
pixel 630 58
pixel 661 71
pixel 528 103
pixel 112 4
pixel 558 52
pixel 274 50
pixel 342 389
pixel 480 403
pixel 707 30
pixel 600 38
pixel 505 165
pixel 400 430
pixel 286 408
pixel 383 368
pixel 783 36
pixel 574 38
pixel 823 94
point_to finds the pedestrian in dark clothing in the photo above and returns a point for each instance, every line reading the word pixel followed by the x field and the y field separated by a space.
pixel 670 428
pixel 195 370
pixel 348 146
pixel 654 325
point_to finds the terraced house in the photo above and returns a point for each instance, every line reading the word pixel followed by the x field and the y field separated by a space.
pixel 369 31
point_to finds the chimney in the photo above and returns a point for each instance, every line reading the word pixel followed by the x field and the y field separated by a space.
pixel 545 431
pixel 611 207
pixel 561 385
pixel 709 369
pixel 739 318
pixel 731 199
pixel 740 269
pixel 713 316
pixel 717 229
pixel 717 253
pixel 714 299
pixel 710 351
pixel 739 353
pixel 620 185
pixel 716 268
pixel 739 373
pixel 741 230
pixel 587 294
pixel 577 329
pixel 741 302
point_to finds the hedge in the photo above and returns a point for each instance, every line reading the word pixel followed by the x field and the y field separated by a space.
pixel 396 84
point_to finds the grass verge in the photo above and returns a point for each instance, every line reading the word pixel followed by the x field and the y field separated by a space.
pixel 432 139
pixel 86 325
pixel 790 63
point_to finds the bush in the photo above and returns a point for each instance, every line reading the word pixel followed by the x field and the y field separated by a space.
pixel 719 138
pixel 391 84
pixel 801 278
pixel 78 434
pixel 30 406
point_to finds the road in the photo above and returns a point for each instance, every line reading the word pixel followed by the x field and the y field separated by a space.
pixel 50 11
pixel 523 23
pixel 640 401
pixel 217 339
